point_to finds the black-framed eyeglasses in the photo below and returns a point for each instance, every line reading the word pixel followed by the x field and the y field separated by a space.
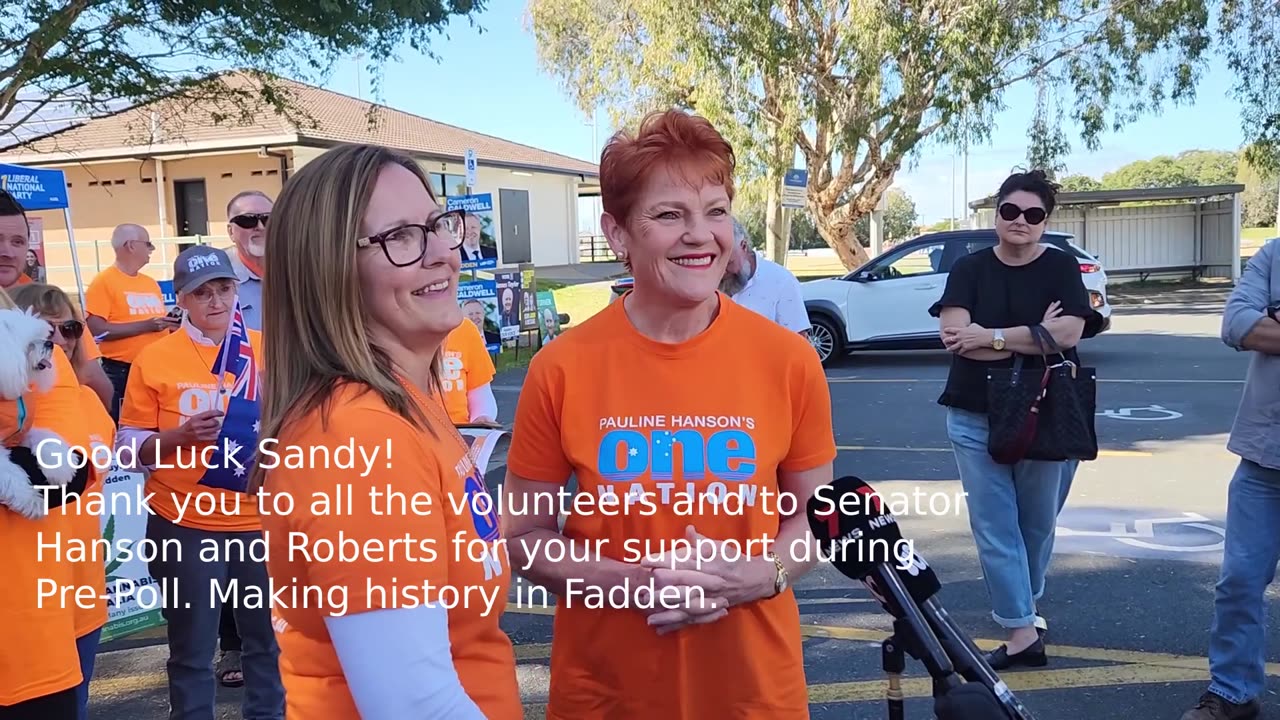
pixel 1034 215
pixel 249 221
pixel 71 329
pixel 407 244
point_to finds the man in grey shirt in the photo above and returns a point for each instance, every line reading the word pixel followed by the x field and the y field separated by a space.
pixel 1237 645
pixel 247 217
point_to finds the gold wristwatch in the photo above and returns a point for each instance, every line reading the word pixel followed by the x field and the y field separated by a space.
pixel 997 340
pixel 780 580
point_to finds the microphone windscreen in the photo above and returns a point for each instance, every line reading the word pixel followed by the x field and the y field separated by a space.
pixel 857 533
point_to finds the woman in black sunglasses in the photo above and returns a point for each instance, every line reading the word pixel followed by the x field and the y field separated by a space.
pixel 991 300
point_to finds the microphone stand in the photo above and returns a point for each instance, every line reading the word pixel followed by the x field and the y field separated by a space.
pixel 912 635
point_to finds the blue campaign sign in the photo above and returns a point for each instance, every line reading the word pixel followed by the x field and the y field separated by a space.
pixel 166 289
pixel 35 188
pixel 796 177
pixel 479 237
pixel 479 302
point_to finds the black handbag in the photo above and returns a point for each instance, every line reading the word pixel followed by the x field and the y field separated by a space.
pixel 1042 413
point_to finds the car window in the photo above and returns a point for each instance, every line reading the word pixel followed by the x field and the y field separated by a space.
pixel 920 260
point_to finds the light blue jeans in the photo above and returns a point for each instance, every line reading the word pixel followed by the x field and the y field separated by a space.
pixel 1068 475
pixel 1013 512
pixel 1237 643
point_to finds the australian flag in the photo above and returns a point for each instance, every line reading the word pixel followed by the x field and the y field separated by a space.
pixel 237 444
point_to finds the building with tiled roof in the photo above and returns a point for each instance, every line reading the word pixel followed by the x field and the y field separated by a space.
pixel 207 150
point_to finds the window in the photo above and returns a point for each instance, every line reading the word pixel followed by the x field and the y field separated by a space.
pixel 920 260
pixel 444 185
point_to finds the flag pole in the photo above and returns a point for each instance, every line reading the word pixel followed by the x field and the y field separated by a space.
pixel 226 350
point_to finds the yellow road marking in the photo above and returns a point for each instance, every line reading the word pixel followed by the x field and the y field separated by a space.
pixel 1122 657
pixel 1126 657
pixel 918 685
pixel 893 448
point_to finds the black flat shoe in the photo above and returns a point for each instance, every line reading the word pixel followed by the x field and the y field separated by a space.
pixel 1033 656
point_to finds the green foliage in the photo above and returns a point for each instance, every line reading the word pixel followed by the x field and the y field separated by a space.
pixel 857 86
pixel 1078 183
pixel 1261 192
pixel 90 56
pixel 1192 167
pixel 899 219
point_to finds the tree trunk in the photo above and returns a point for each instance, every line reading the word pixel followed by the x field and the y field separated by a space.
pixel 839 234
pixel 775 229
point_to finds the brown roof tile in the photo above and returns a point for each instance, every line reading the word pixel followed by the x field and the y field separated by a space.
pixel 325 117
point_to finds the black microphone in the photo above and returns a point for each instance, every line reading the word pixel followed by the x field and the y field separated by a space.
pixel 866 544
pixel 849 519
pixel 863 542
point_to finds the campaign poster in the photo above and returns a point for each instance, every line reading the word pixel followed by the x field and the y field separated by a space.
pixel 548 318
pixel 166 290
pixel 507 284
pixel 134 601
pixel 479 302
pixel 528 298
pixel 34 265
pixel 479 237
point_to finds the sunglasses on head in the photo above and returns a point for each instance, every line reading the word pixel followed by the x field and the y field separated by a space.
pixel 71 329
pixel 249 221
pixel 1034 215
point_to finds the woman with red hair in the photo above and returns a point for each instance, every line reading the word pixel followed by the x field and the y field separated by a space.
pixel 683 417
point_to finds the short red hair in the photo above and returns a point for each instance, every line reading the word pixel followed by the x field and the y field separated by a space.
pixel 683 143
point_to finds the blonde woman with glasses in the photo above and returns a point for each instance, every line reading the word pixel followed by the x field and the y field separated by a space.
pixel 361 296
pixel 52 305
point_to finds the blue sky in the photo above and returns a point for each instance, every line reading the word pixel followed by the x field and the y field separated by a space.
pixel 490 82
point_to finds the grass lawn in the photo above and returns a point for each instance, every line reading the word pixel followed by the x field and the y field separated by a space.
pixel 1252 238
pixel 579 302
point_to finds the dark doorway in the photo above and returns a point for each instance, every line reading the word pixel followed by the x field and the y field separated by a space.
pixel 513 206
pixel 192 206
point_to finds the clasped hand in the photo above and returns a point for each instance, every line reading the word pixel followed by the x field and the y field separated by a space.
pixel 697 585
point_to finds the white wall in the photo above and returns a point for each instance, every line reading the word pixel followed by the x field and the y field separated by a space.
pixel 1141 237
pixel 553 208
pixel 553 205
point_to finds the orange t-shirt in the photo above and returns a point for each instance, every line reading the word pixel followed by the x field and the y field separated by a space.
pixel 466 366
pixel 682 425
pixel 38 635
pixel 15 421
pixel 120 298
pixel 91 571
pixel 170 381
pixel 417 548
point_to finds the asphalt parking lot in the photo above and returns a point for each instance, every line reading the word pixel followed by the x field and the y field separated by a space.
pixel 1129 597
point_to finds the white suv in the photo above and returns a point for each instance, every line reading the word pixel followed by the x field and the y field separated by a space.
pixel 884 305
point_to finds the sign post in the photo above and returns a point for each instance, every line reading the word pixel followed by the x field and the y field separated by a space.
pixel 43 189
pixel 795 185
pixel 472 167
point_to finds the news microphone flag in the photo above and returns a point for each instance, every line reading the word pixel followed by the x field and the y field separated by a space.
pixel 849 519
pixel 237 442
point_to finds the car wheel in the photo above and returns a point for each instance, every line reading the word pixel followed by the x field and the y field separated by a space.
pixel 823 336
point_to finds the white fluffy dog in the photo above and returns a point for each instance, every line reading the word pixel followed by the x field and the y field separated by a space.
pixel 26 365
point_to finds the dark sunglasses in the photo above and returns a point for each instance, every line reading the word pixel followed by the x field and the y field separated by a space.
pixel 1034 215
pixel 71 329
pixel 250 221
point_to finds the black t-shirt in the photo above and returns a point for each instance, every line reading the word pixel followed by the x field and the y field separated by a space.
pixel 1004 296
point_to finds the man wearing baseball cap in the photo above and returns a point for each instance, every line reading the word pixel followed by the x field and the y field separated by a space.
pixel 174 408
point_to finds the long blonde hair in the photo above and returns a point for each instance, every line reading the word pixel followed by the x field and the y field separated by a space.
pixel 313 322
pixel 47 301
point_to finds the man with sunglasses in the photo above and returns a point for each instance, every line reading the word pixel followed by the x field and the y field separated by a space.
pixel 124 307
pixel 247 216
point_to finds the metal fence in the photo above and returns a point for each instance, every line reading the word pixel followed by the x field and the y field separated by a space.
pixel 595 248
